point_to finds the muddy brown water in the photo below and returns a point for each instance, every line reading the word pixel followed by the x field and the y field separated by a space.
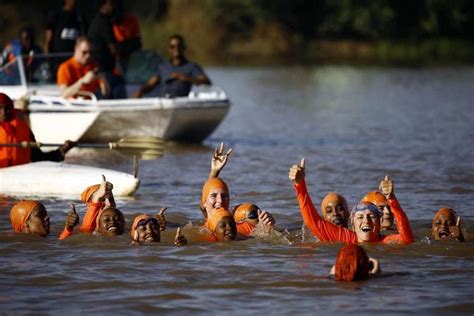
pixel 353 125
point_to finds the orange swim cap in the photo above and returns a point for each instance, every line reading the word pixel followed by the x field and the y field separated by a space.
pixel 87 194
pixel 242 211
pixel 352 264
pixel 20 213
pixel 217 215
pixel 446 211
pixel 333 197
pixel 133 231
pixel 375 197
pixel 213 183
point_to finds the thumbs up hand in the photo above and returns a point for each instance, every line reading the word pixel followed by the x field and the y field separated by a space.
pixel 72 218
pixel 296 173
pixel 386 187
pixel 161 218
pixel 180 240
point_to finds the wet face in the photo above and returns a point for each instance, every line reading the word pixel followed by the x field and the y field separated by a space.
pixel 441 223
pixel 226 230
pixel 217 198
pixel 336 213
pixel 176 48
pixel 148 230
pixel 366 225
pixel 38 222
pixel 386 221
pixel 82 52
pixel 111 223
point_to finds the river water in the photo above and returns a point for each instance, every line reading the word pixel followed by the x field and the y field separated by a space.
pixel 353 125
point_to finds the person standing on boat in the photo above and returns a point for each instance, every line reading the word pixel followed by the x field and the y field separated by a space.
pixel 176 76
pixel 13 130
pixel 63 28
pixel 105 52
pixel 80 73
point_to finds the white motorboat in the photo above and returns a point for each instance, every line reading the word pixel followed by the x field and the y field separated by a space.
pixel 57 179
pixel 54 119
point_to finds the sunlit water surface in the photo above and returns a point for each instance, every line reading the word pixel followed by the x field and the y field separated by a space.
pixel 353 125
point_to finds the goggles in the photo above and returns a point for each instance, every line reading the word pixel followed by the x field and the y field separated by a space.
pixel 143 222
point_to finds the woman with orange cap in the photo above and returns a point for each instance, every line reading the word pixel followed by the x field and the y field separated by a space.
pixel 446 224
pixel 335 210
pixel 30 217
pixel 215 194
pixel 365 217
pixel 146 228
pixel 97 197
pixel 353 264
pixel 14 129
pixel 247 216
pixel 221 225
pixel 110 222
pixel 380 199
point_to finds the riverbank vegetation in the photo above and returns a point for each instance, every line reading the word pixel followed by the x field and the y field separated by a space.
pixel 414 32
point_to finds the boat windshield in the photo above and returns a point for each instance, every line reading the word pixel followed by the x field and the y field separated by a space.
pixel 37 69
pixel 10 74
pixel 41 69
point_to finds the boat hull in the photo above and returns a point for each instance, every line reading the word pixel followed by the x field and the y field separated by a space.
pixel 55 179
pixel 180 119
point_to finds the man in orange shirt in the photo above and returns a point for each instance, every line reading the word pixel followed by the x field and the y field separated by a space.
pixel 79 73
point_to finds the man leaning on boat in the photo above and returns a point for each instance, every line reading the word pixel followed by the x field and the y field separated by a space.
pixel 175 76
pixel 13 130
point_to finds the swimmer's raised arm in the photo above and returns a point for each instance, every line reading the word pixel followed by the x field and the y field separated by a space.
pixel 219 160
pixel 297 173
pixel 72 220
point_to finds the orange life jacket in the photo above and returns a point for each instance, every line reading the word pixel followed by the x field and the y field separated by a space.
pixel 15 131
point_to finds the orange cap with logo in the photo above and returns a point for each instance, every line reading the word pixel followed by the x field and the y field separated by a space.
pixel 216 216
pixel 213 183
pixel 20 213
pixel 133 231
pixel 333 197
pixel 87 194
pixel 241 211
pixel 375 197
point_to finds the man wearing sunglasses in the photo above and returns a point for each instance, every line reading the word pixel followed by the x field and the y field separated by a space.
pixel 79 73
pixel 176 76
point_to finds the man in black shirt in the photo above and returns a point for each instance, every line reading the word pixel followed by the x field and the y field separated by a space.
pixel 101 35
pixel 63 28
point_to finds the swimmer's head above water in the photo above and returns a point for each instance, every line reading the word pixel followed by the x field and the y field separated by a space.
pixel 145 229
pixel 335 210
pixel 222 225
pixel 215 194
pixel 377 198
pixel 246 213
pixel 353 264
pixel 446 224
pixel 30 217
pixel 110 222
pixel 365 220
